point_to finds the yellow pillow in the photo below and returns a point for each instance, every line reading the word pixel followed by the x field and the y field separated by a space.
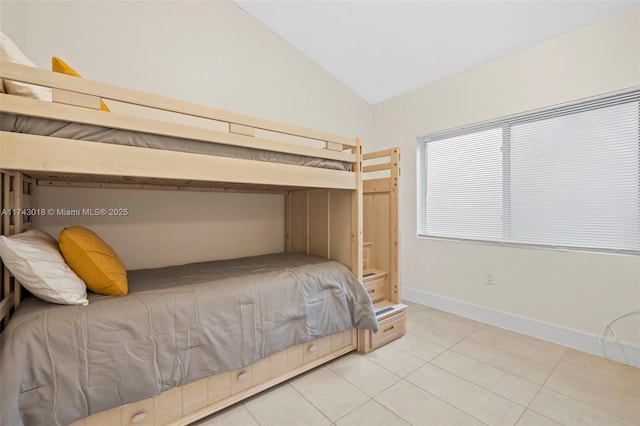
pixel 58 65
pixel 94 261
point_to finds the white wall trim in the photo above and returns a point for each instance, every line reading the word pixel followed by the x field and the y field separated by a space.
pixel 549 332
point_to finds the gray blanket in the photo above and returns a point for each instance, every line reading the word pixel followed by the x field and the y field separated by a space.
pixel 62 129
pixel 177 325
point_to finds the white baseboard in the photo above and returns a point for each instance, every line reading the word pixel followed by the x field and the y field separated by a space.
pixel 549 332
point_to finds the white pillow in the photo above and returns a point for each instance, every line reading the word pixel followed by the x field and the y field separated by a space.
pixel 33 257
pixel 10 52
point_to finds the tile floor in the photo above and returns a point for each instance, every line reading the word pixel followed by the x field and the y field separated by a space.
pixel 450 370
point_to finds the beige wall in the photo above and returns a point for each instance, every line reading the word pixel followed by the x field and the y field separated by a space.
pixel 572 290
pixel 206 52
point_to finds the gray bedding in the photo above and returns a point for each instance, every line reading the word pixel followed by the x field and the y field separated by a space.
pixel 177 325
pixel 62 129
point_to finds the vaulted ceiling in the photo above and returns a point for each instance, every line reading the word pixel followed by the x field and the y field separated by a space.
pixel 382 49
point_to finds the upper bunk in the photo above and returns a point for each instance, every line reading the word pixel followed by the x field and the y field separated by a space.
pixel 195 147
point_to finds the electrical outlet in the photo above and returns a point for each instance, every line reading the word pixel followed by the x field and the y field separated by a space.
pixel 489 278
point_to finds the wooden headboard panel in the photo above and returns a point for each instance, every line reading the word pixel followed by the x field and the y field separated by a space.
pixel 17 189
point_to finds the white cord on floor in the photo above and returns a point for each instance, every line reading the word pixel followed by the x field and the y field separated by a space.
pixel 608 329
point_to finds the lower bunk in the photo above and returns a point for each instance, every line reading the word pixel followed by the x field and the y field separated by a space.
pixel 185 342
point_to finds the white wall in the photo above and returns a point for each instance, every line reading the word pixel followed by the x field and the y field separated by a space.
pixel 212 53
pixel 573 291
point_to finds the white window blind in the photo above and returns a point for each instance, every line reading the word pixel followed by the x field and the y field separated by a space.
pixel 464 175
pixel 563 177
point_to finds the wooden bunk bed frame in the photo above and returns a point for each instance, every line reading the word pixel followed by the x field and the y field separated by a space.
pixel 323 207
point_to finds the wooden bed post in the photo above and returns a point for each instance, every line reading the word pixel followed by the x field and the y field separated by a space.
pixel 357 217
pixel 394 230
pixel 16 196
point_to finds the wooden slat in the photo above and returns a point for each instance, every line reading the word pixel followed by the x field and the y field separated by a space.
pixel 299 222
pixel 340 226
pixel 376 185
pixel 38 153
pixel 376 154
pixel 74 98
pixel 6 304
pixel 177 186
pixel 376 167
pixel 45 78
pixel 33 107
pixel 318 223
pixel 242 130
pixel 334 146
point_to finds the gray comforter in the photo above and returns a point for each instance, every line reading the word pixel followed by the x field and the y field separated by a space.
pixel 62 129
pixel 177 325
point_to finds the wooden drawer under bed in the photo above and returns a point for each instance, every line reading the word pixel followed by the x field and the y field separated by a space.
pixel 392 324
pixel 188 403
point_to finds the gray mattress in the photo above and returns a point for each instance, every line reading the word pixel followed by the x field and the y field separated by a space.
pixel 62 129
pixel 177 325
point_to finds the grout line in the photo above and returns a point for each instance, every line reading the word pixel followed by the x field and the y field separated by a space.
pixel 476 384
pixel 461 338
pixel 310 402
pixel 250 413
pixel 590 404
pixel 503 351
pixel 354 409
pixel 541 415
pixel 445 401
pixel 376 365
pixel 564 348
pixel 415 356
pixel 542 386
pixel 390 410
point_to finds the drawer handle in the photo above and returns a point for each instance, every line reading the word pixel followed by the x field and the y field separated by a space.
pixel 373 290
pixel 138 417
pixel 243 375
pixel 388 329
pixel 312 348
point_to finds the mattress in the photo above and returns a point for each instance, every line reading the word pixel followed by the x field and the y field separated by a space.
pixel 177 325
pixel 47 127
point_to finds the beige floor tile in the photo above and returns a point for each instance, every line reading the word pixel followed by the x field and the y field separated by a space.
pixel 507 361
pixel 612 374
pixel 570 412
pixel 419 407
pixel 371 413
pixel 436 335
pixel 395 360
pixel 331 394
pixel 498 381
pixel 284 406
pixel 531 418
pixel 448 322
pixel 237 415
pixel 595 394
pixel 537 350
pixel 418 347
pixel 367 376
pixel 472 399
pixel 415 306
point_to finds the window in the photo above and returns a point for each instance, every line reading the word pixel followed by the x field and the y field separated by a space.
pixel 563 177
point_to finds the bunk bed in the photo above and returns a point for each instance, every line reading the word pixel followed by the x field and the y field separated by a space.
pixel 59 144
